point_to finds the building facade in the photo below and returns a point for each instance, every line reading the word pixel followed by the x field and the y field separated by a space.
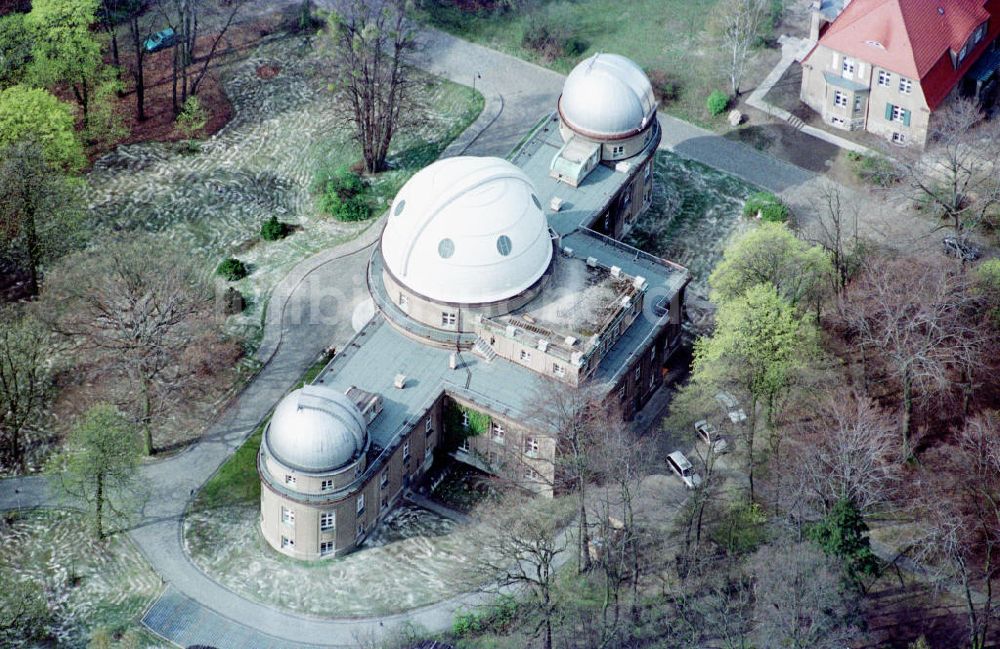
pixel 886 66
pixel 494 281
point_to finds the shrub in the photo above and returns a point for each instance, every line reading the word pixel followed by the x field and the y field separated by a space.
pixel 717 102
pixel 665 87
pixel 344 194
pixel 742 529
pixel 768 206
pixel 192 118
pixel 233 302
pixel 550 38
pixel 232 269
pixel 873 169
pixel 273 229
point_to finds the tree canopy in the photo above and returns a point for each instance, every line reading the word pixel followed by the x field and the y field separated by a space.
pixel 37 115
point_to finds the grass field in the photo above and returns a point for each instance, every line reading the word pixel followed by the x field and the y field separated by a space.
pixel 666 35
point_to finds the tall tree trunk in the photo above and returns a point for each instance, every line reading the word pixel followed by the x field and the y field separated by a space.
pixel 33 249
pixel 907 413
pixel 584 531
pixel 147 416
pixel 138 74
pixel 99 507
pixel 751 434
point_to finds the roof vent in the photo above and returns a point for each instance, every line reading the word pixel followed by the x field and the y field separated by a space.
pixel 453 361
pixel 543 345
pixel 567 251
pixel 639 282
pixel 623 167
pixel 576 358
pixel 626 302
pixel 616 271
pixel 556 204
pixel 941 11
pixel 570 341
pixel 592 262
pixel 399 381
pixel 511 330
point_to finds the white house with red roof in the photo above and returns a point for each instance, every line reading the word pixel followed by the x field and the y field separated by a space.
pixel 885 66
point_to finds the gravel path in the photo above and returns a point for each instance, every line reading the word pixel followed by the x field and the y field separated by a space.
pixel 316 300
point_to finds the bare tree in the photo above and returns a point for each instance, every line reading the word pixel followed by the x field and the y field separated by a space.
pixel 26 351
pixel 139 307
pixel 138 33
pixel 958 174
pixel 961 512
pixel 800 602
pixel 369 43
pixel 918 317
pixel 520 544
pixel 846 453
pixel 837 231
pixel 738 24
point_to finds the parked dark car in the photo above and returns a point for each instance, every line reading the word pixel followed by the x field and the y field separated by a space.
pixel 161 40
pixel 953 247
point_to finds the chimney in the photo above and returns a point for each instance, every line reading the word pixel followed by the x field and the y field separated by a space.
pixel 399 381
pixel 453 361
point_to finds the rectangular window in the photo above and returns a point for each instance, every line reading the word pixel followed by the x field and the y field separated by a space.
pixel 287 542
pixel 465 419
pixel 525 356
pixel 429 426
pixel 384 504
pixel 884 78
pixel 289 479
pixel 403 300
pixel 847 67
pixel 857 103
pixel 530 446
pixel 464 446
pixel 361 503
pixel 327 485
pixel 899 138
pixel 900 114
pixel 621 393
pixel 652 354
pixel 287 516
pixel 558 369
pixel 325 548
pixel 406 450
pixel 447 319
pixel 617 150
pixel 327 520
pixel 839 98
pixel 905 85
pixel 652 381
pixel 531 474
pixel 498 432
pixel 385 479
pixel 361 528
pixel 638 372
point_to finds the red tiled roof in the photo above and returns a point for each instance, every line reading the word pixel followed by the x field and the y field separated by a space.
pixel 914 37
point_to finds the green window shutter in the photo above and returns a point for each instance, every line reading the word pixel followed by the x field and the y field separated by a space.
pixel 906 118
pixel 888 112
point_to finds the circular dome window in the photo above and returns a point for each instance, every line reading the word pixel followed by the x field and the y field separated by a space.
pixel 399 207
pixel 535 200
pixel 446 248
pixel 503 245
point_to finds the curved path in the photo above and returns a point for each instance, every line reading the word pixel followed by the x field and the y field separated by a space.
pixel 309 311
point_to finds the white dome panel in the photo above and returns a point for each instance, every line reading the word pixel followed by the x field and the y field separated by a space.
pixel 316 429
pixel 470 230
pixel 607 96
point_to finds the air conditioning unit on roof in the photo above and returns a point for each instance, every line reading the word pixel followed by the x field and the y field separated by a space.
pixel 556 204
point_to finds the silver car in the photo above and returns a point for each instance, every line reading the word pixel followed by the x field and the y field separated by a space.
pixel 682 467
pixel 732 406
pixel 710 435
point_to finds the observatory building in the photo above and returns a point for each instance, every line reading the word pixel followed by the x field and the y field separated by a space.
pixel 495 281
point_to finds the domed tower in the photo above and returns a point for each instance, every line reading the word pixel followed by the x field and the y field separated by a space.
pixel 465 237
pixel 607 114
pixel 311 457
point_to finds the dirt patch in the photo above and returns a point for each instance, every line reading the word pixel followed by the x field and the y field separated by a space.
pixel 268 71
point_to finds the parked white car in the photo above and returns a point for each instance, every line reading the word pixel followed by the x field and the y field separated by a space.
pixel 680 465
pixel 710 435
pixel 732 406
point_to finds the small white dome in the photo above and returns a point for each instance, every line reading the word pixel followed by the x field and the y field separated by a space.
pixel 467 230
pixel 607 96
pixel 315 429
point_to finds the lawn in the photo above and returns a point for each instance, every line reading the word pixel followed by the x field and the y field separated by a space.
pixel 284 129
pixel 90 585
pixel 660 35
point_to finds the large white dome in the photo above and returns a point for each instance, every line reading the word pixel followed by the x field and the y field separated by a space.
pixel 607 96
pixel 467 230
pixel 315 429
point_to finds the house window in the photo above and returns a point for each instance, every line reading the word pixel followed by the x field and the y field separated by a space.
pixel 428 452
pixel 464 446
pixel 428 425
pixel 404 301
pixel 847 67
pixel 884 78
pixel 652 354
pixel 361 504
pixel 898 138
pixel 857 103
pixel 327 520
pixel 648 196
pixel 361 528
pixel 447 319
pixel 525 356
pixel 638 372
pixel 406 450
pixel 839 98
pixel 617 150
pixel 287 516
pixel 530 446
pixel 652 381
pixel 385 480
pixel 289 479
pixel 531 474
pixel 287 543
pixel 621 393
pixel 498 433
pixel 325 548
pixel 838 121
pixel 905 85
pixel 327 485
pixel 895 113
pixel 558 369
pixel 465 419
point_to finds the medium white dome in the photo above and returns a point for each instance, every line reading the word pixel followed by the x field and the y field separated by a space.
pixel 467 230
pixel 315 429
pixel 607 96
